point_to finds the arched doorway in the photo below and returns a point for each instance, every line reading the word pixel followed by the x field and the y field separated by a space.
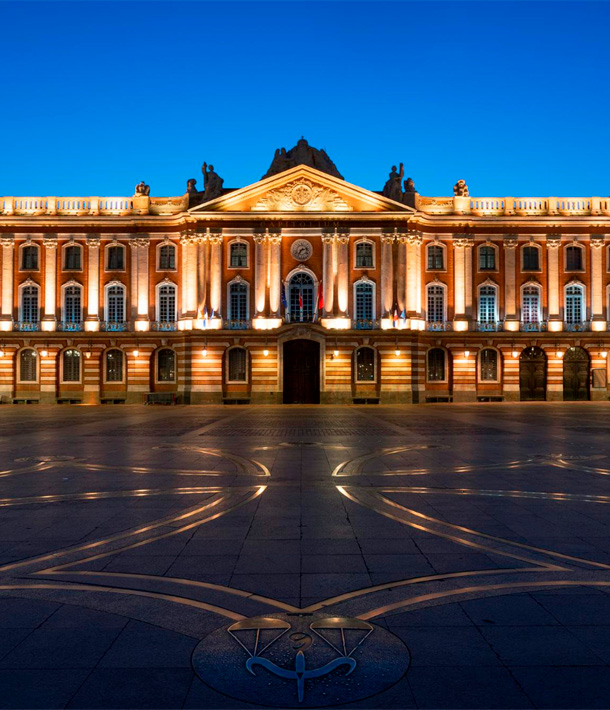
pixel 576 368
pixel 532 375
pixel 301 372
pixel 301 298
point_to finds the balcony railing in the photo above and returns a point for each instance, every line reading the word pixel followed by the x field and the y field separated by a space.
pixel 438 325
pixel 237 324
pixel 164 325
pixel 69 325
pixel 492 327
pixel 27 326
pixel 577 327
pixel 114 326
pixel 365 324
pixel 533 327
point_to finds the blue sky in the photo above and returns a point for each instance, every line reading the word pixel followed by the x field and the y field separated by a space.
pixel 512 97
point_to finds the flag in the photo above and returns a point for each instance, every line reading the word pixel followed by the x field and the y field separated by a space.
pixel 395 317
pixel 301 298
pixel 320 296
pixel 403 315
pixel 284 301
pixel 205 317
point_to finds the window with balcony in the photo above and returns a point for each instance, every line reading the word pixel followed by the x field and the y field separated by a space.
pixel 436 303
pixel 115 306
pixel 73 312
pixel 575 305
pixel 488 305
pixel 364 302
pixel 166 303
pixel 238 304
pixel 530 305
pixel 29 315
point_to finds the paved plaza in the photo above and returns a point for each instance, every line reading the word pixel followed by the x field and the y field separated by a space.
pixel 431 556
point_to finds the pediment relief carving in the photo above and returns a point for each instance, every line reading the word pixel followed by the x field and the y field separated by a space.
pixel 301 195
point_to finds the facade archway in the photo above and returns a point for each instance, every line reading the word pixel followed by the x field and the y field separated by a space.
pixel 301 372
pixel 576 374
pixel 532 375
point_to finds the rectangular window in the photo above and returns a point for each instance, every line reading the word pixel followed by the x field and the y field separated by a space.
pixel 364 255
pixel 531 261
pixel 167 258
pixel 435 258
pixel 487 259
pixel 239 255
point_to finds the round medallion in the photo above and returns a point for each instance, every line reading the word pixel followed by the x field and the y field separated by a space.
pixel 301 250
pixel 300 660
pixel 301 194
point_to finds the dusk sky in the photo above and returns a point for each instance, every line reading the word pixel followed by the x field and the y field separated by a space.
pixel 512 97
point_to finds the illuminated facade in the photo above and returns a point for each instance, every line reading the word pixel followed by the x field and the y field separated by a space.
pixel 303 287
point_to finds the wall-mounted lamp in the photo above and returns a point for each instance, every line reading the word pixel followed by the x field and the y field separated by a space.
pixel 204 352
pixel 466 353
pixel 558 353
pixel 266 350
pixel 396 348
pixel 136 352
pixel 336 350
pixel 1 350
pixel 45 351
pixel 88 353
pixel 515 352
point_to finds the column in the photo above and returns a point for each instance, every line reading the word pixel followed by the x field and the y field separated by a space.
pixel 328 276
pixel 49 320
pixel 200 247
pixel 414 241
pixel 133 291
pixel 185 239
pixel 387 295
pixel 342 243
pixel 142 318
pixel 92 321
pixel 215 275
pixel 260 274
pixel 401 272
pixel 459 282
pixel 511 319
pixel 468 246
pixel 597 285
pixel 8 252
pixel 553 242
pixel 275 274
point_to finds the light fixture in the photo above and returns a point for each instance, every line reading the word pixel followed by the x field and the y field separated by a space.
pixel 558 353
pixel 515 352
pixel 204 352
pixel 2 351
pixel 336 350
pixel 136 352
pixel 604 354
pixel 266 350
pixel 88 353
pixel 466 353
pixel 45 351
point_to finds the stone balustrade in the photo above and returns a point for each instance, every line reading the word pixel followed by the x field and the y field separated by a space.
pixel 87 206
pixel 515 206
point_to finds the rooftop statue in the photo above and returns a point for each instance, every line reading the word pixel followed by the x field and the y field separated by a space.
pixel 408 196
pixel 142 190
pixel 302 154
pixel 392 188
pixel 212 183
pixel 460 189
pixel 190 186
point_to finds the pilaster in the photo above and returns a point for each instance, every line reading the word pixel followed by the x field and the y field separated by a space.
pixel 511 318
pixel 49 319
pixel 8 255
pixel 92 320
pixel 553 242
pixel 598 321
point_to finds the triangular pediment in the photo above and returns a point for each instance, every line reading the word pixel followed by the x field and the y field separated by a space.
pixel 302 189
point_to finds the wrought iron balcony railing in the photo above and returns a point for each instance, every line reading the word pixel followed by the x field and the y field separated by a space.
pixel 439 325
pixel 577 327
pixel 164 325
pixel 237 324
pixel 114 326
pixel 365 324
pixel 491 327
pixel 27 325
pixel 70 325
pixel 533 327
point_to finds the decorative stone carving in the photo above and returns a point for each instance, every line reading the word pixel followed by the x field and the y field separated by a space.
pixel 7 241
pixel 553 241
pixel 50 241
pixel 302 154
pixel 142 190
pixel 93 241
pixel 463 240
pixel 142 242
pixel 342 238
pixel 510 241
pixel 597 241
pixel 460 189
pixel 212 183
pixel 392 189
pixel 302 195
pixel 387 238
pixel 414 236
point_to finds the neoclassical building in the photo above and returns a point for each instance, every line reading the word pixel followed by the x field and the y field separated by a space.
pixel 303 288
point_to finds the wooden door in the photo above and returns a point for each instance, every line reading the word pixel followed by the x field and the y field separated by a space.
pixel 532 375
pixel 301 372
pixel 576 375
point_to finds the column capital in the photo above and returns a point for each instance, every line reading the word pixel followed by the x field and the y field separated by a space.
pixel 7 240
pixel 275 239
pixel 342 238
pixel 510 241
pixel 463 240
pixel 328 238
pixel 387 238
pixel 93 241
pixel 50 241
pixel 553 241
pixel 597 241
pixel 143 241
pixel 414 237
pixel 259 238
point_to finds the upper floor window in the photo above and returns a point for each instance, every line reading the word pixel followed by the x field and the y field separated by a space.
pixel 73 258
pixel 115 256
pixel 167 257
pixel 238 301
pixel 364 255
pixel 72 304
pixel 29 304
pixel 364 301
pixel 115 303
pixel 574 260
pixel 238 255
pixel 237 360
pixel 166 303
pixel 29 258
pixel 166 365
pixel 436 303
pixel 365 365
pixel 114 365
pixel 301 298
pixel 437 365
pixel 531 258
pixel 436 257
pixel 487 304
pixel 488 362
pixel 530 307
pixel 487 258
pixel 28 365
pixel 71 365
pixel 575 307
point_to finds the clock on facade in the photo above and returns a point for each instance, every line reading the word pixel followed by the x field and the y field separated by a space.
pixel 301 250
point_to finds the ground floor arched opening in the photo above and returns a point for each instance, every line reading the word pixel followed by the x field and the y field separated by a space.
pixel 576 375
pixel 532 375
pixel 301 372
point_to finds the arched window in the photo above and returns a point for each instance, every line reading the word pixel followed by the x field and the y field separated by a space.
pixel 71 365
pixel 237 359
pixel 167 257
pixel 115 304
pixel 115 256
pixel 73 313
pixel 365 365
pixel 29 305
pixel 238 255
pixel 574 260
pixel 29 258
pixel 364 255
pixel 531 258
pixel 487 305
pixel 530 306
pixel 166 365
pixel 487 258
pixel 72 258
pixel 575 307
pixel 166 303
pixel 436 260
pixel 300 298
pixel 437 365
pixel 364 302
pixel 436 303
pixel 28 365
pixel 238 303
pixel 488 362
pixel 114 365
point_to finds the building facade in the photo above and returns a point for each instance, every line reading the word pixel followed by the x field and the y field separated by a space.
pixel 303 288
